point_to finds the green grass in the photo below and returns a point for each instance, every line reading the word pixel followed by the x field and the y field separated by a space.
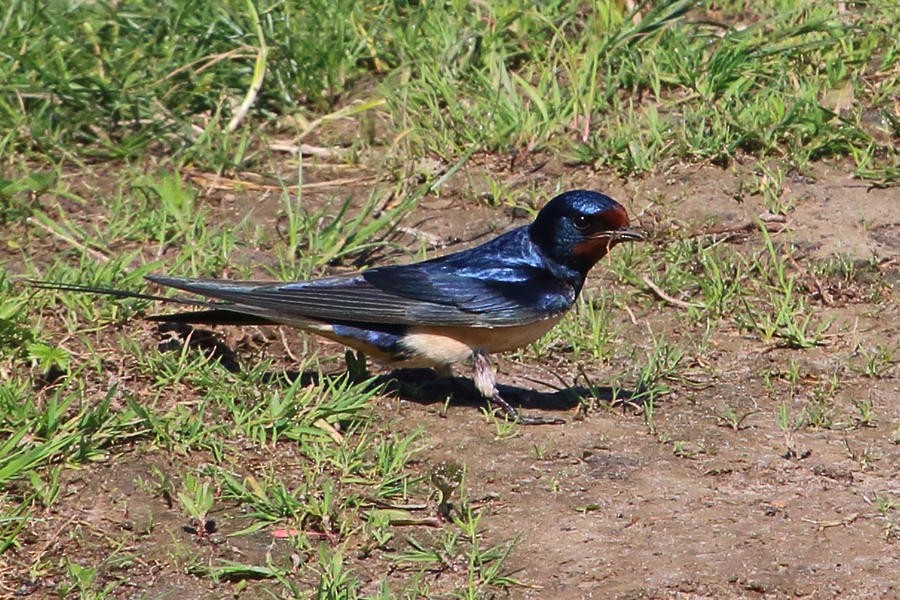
pixel 796 81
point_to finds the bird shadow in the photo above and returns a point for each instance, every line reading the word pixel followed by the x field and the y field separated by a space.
pixel 427 387
pixel 421 386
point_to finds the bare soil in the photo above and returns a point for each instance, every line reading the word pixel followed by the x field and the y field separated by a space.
pixel 605 506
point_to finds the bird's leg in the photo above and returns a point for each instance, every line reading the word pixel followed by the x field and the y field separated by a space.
pixel 486 385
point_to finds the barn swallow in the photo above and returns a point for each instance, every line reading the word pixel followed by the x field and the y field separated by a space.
pixel 498 296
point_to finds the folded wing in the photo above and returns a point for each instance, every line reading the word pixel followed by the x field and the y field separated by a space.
pixel 403 295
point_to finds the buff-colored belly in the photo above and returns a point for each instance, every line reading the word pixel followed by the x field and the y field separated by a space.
pixel 449 345
pixel 432 346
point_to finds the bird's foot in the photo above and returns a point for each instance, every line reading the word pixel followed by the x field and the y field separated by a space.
pixel 518 417
pixel 487 386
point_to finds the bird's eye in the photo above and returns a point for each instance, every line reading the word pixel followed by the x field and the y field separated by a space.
pixel 581 222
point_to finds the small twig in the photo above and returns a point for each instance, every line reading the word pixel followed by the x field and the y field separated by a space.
pixel 778 225
pixel 630 314
pixel 432 240
pixel 340 182
pixel 664 296
pixel 219 182
pixel 836 523
pixel 309 150
pixel 287 347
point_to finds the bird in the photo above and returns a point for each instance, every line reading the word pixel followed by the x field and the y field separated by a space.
pixel 495 297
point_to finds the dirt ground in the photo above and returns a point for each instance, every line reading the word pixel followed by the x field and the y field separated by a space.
pixel 605 506
pixel 611 511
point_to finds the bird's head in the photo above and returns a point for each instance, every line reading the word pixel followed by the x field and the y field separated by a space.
pixel 577 228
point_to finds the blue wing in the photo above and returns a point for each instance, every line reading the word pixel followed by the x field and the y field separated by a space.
pixel 501 283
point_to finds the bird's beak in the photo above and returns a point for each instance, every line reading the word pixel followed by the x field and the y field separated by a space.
pixel 628 235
